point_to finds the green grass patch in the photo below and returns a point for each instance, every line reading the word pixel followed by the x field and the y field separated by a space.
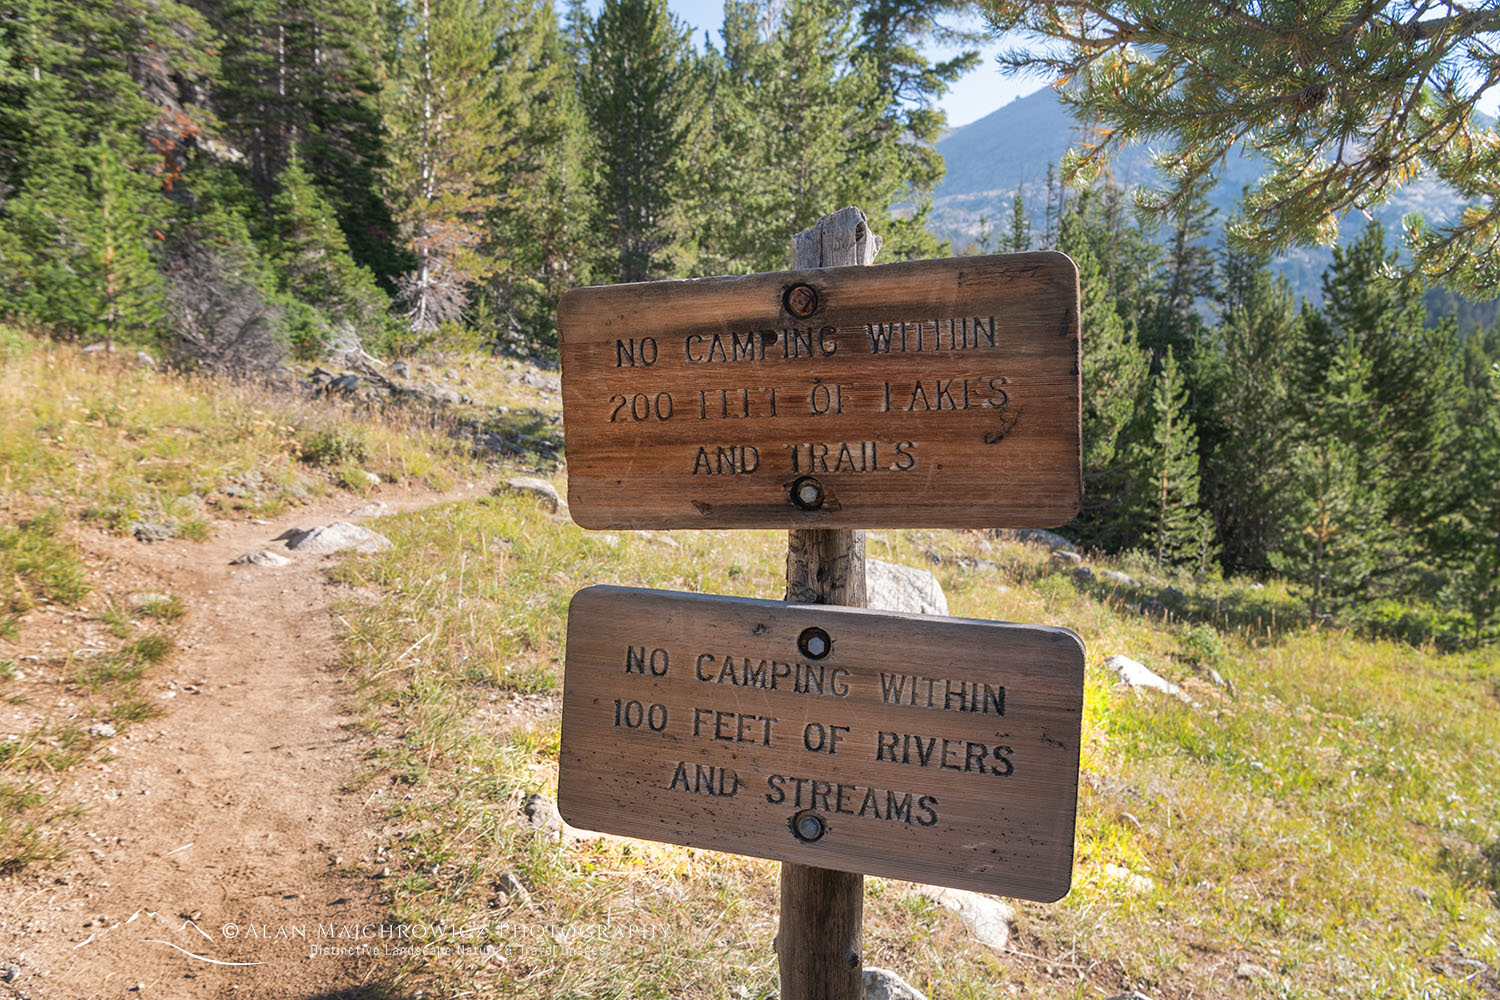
pixel 38 564
pixel 1326 816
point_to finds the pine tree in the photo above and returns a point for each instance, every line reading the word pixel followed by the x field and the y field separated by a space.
pixel 1245 411
pixel 306 248
pixel 1018 240
pixel 445 132
pixel 304 80
pixel 1167 464
pixel 539 229
pixel 633 82
pixel 1115 374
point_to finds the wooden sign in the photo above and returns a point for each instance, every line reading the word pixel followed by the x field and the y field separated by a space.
pixel 939 393
pixel 938 750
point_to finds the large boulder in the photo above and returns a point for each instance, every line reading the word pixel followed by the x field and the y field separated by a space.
pixel 889 587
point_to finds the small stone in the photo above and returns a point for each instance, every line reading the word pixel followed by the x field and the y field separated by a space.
pixel 338 537
pixel 510 887
pixel 147 597
pixel 260 557
pixel 12 973
pixel 1066 558
pixel 1138 675
pixel 142 358
pixel 1249 970
pixel 1115 576
pixel 374 508
pixel 883 984
pixel 95 348
pixel 988 919
pixel 152 531
pixel 371 478
pixel 539 488
pixel 542 815
pixel 1083 573
pixel 102 729
pixel 344 383
pixel 1133 881
pixel 401 369
pixel 609 541
pixel 1038 536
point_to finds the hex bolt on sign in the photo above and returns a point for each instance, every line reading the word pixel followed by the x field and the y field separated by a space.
pixel 807 493
pixel 814 643
pixel 801 301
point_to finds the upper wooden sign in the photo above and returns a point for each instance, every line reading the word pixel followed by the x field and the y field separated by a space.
pixel 938 393
pixel 940 750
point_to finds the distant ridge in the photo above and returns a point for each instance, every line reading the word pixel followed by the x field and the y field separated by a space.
pixel 1012 146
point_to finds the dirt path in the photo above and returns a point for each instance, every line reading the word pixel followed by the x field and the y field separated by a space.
pixel 219 854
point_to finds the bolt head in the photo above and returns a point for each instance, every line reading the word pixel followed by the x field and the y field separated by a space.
pixel 810 827
pixel 801 300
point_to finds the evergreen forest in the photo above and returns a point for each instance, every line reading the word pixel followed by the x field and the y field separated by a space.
pixel 230 185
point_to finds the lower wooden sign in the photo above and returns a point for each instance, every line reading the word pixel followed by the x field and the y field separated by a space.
pixel 937 750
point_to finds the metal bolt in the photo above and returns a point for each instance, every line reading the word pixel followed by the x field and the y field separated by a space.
pixel 808 826
pixel 814 643
pixel 801 300
pixel 807 493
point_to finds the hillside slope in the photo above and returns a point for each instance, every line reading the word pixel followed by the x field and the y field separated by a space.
pixel 1011 147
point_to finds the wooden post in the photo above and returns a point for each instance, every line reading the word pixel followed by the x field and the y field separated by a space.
pixel 818 944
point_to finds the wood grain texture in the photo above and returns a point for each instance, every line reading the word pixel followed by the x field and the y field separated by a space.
pixel 728 762
pixel 822 910
pixel 721 399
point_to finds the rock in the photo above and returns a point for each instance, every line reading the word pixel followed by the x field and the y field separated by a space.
pixel 142 358
pixel 511 887
pixel 153 531
pixel 934 556
pixel 401 369
pixel 1131 880
pixel 1115 576
pixel 371 478
pixel 373 509
pixel 539 488
pixel 1037 536
pixel 347 382
pixel 1067 558
pixel 448 397
pixel 883 984
pixel 1249 970
pixel 12 973
pixel 337 537
pixel 260 557
pixel 142 598
pixel 95 348
pixel 987 918
pixel 889 587
pixel 1083 573
pixel 542 815
pixel 1132 995
pixel 102 729
pixel 1138 675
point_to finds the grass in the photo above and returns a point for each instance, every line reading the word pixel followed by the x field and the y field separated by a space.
pixel 117 444
pixel 1321 826
pixel 99 441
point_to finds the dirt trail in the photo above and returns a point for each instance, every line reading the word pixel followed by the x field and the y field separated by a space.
pixel 221 828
